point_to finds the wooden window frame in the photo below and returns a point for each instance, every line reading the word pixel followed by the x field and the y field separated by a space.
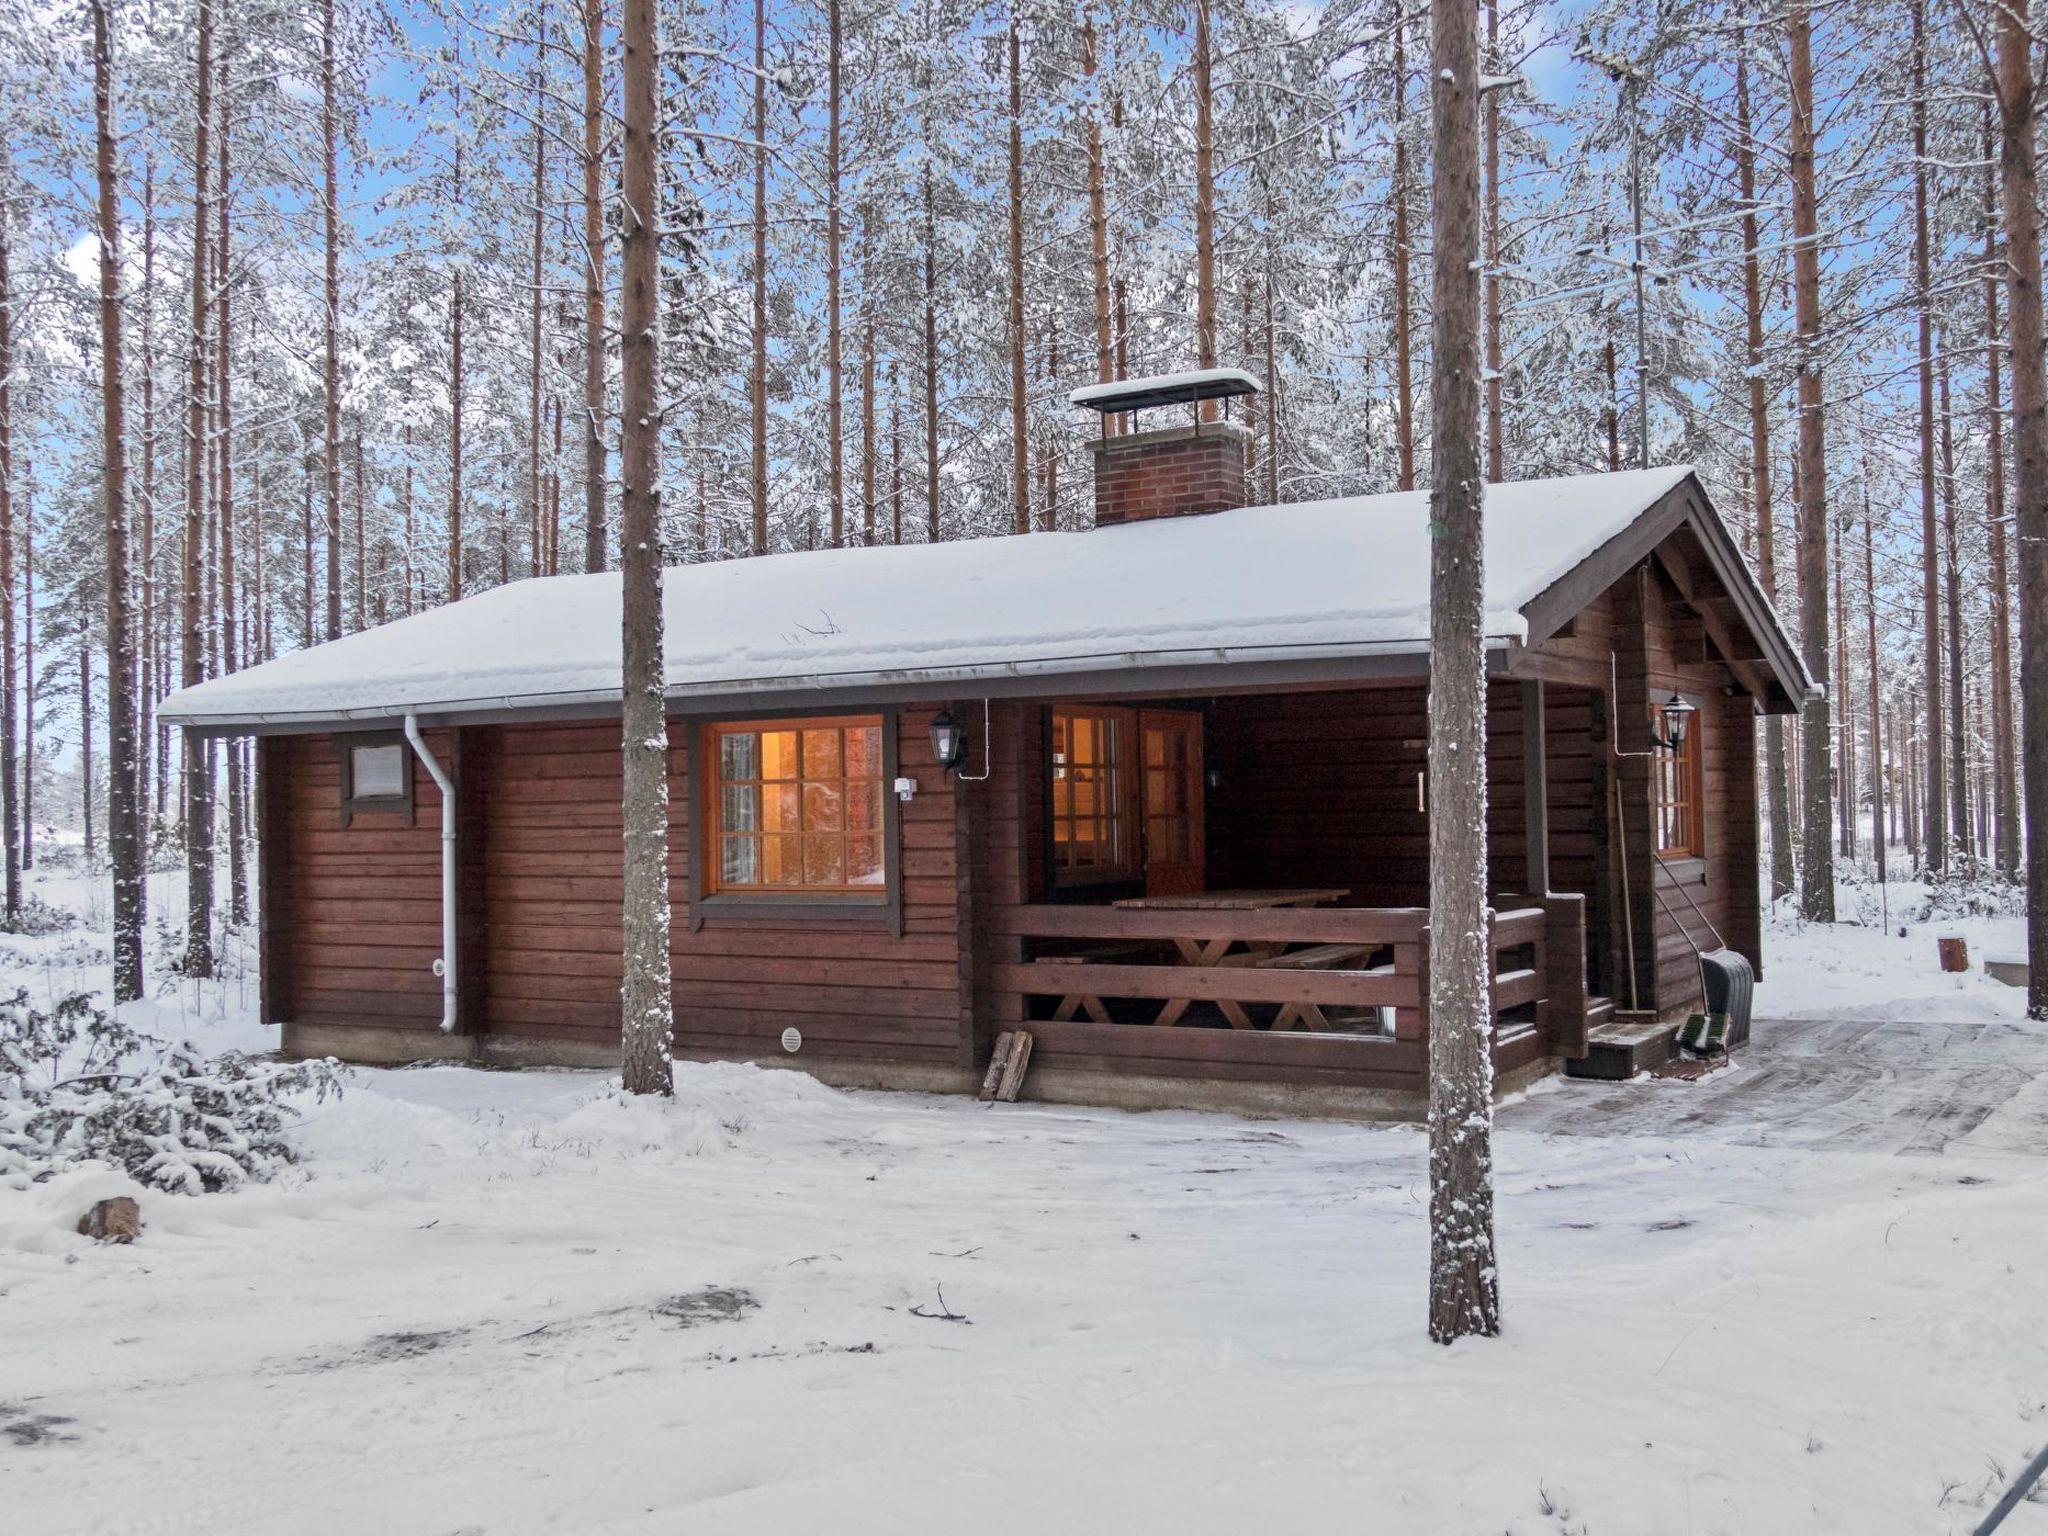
pixel 353 804
pixel 1129 812
pixel 871 907
pixel 1690 762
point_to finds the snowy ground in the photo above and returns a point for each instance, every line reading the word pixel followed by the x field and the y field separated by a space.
pixel 1801 1295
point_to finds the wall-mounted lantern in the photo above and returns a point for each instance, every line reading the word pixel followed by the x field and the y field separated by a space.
pixel 1676 716
pixel 949 741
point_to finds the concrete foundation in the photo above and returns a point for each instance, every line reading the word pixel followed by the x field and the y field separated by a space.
pixel 1052 1085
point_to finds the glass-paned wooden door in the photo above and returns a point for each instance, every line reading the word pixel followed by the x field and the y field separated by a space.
pixel 1171 741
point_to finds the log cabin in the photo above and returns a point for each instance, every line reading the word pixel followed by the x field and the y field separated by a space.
pixel 1155 791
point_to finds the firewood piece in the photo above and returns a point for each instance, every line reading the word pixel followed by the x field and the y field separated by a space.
pixel 997 1058
pixel 1014 1065
pixel 118 1220
pixel 1955 954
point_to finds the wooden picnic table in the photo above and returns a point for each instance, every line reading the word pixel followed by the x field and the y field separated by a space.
pixel 1233 952
pixel 1238 901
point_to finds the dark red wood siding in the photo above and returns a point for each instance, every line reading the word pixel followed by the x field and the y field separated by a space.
pixel 353 917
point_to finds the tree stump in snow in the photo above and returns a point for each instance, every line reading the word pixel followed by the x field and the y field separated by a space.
pixel 1955 954
pixel 118 1220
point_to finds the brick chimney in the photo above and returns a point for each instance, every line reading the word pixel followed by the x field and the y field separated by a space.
pixel 1174 470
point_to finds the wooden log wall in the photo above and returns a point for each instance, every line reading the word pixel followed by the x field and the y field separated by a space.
pixel 352 915
pixel 1320 789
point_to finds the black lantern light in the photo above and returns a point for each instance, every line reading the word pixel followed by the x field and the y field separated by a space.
pixel 949 741
pixel 1677 716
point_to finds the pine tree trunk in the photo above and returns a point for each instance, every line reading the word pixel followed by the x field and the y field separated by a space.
pixel 10 806
pixel 330 365
pixel 1958 775
pixel 199 829
pixel 1879 788
pixel 86 787
pixel 647 1007
pixel 306 551
pixel 123 830
pixel 931 360
pixel 1777 783
pixel 1020 449
pixel 1817 863
pixel 835 397
pixel 1098 219
pixel 554 496
pixel 536 423
pixel 2015 87
pixel 867 433
pixel 594 272
pixel 1496 446
pixel 1272 387
pixel 1049 505
pixel 28 673
pixel 405 514
pixel 2004 767
pixel 362 524
pixel 455 396
pixel 1611 413
pixel 1404 362
pixel 1845 742
pixel 238 868
pixel 1205 200
pixel 895 458
pixel 145 648
pixel 1464 1287
pixel 757 378
pixel 456 390
pixel 259 626
pixel 1935 815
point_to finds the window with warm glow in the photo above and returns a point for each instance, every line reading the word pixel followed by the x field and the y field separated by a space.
pixel 1675 794
pixel 1092 837
pixel 797 807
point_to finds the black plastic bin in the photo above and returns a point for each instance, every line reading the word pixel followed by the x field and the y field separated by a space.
pixel 1730 986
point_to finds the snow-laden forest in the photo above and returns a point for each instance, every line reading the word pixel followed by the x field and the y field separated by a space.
pixel 364 279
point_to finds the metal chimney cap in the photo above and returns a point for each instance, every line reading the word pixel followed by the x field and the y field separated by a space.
pixel 1165 389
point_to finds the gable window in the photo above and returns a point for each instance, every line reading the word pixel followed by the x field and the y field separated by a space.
pixel 376 775
pixel 1092 834
pixel 1675 783
pixel 796 807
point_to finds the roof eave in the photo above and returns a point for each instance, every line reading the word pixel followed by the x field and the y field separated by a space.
pixel 1685 505
pixel 1138 672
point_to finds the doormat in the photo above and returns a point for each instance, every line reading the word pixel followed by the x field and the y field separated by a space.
pixel 1685 1069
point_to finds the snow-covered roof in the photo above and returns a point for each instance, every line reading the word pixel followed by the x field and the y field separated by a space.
pixel 1343 580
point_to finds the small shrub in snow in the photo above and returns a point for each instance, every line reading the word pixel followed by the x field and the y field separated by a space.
pixel 77 1085
pixel 1967 890
pixel 38 916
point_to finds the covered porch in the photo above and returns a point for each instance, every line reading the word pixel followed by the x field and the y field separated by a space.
pixel 1234 886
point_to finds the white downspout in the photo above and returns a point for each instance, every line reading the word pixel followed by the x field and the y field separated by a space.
pixel 446 964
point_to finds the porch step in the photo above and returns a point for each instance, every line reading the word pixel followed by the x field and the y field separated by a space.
pixel 1621 1045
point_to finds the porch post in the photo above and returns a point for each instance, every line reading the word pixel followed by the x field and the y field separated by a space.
pixel 1535 789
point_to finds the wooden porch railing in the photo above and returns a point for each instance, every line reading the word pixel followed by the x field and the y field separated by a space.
pixel 1234 978
pixel 1539 991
